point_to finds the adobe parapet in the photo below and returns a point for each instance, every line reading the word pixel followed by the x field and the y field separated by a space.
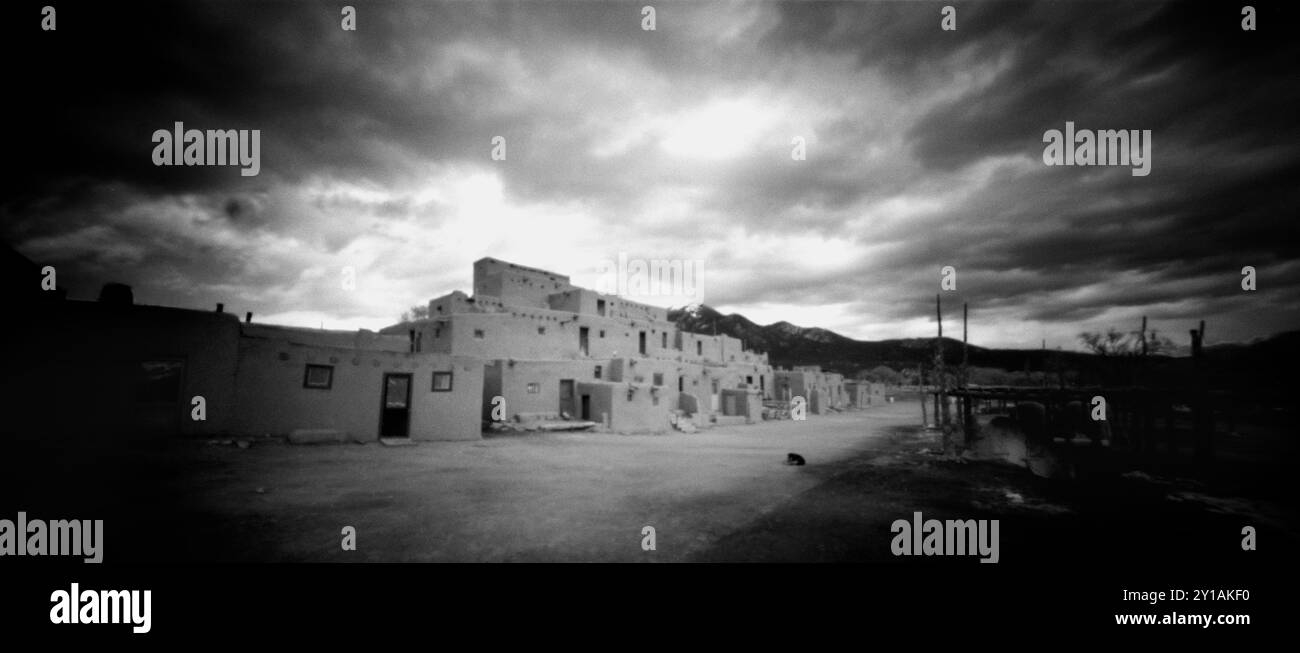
pixel 527 312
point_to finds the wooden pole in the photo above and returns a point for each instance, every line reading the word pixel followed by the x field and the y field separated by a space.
pixel 937 421
pixel 1202 417
pixel 967 417
pixel 941 392
pixel 965 346
pixel 1043 359
pixel 920 390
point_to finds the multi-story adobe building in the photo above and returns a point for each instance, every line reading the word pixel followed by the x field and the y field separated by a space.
pixel 553 351
pixel 549 350
pixel 824 391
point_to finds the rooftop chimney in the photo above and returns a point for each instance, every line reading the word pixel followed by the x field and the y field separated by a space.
pixel 248 317
pixel 221 308
pixel 118 294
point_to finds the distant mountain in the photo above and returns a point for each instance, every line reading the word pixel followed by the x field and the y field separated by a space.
pixel 787 344
pixel 1266 361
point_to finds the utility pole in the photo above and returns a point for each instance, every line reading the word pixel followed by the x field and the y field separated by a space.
pixel 941 394
pixel 967 420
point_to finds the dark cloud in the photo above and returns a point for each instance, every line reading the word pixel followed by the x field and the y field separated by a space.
pixel 923 150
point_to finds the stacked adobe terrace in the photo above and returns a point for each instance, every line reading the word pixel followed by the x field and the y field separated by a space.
pixel 549 350
pixel 555 351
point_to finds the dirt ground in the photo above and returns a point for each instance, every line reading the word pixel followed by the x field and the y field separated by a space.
pixel 533 497
pixel 723 494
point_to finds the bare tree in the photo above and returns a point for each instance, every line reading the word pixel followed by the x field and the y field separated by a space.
pixel 1111 343
pixel 417 312
pixel 1117 343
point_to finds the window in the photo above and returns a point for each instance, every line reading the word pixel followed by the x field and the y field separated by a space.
pixel 159 381
pixel 699 348
pixel 665 334
pixel 397 390
pixel 749 380
pixel 641 342
pixel 478 333
pixel 437 332
pixel 659 378
pixel 320 377
pixel 597 374
pixel 600 308
pixel 442 381
pixel 534 388
pixel 541 331
pixel 602 333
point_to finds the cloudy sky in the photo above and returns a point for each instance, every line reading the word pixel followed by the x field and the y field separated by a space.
pixel 924 149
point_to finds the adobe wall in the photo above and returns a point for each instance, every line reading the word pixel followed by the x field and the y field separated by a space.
pixel 517 284
pixel 532 388
pixel 543 334
pixel 271 398
pixel 93 354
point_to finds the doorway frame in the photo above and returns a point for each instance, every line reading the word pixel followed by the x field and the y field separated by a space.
pixel 383 401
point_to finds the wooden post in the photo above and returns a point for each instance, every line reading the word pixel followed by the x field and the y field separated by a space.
pixel 967 416
pixel 937 421
pixel 941 390
pixel 965 346
pixel 1201 416
pixel 920 390
pixel 1043 359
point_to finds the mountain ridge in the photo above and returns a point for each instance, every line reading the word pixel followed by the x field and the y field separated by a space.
pixel 788 345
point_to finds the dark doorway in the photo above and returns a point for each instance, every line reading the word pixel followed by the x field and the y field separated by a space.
pixel 586 407
pixel 642 343
pixel 566 398
pixel 583 338
pixel 395 411
pixel 159 406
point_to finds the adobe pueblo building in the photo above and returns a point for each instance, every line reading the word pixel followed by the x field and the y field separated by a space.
pixel 555 353
pixel 528 350
pixel 150 371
